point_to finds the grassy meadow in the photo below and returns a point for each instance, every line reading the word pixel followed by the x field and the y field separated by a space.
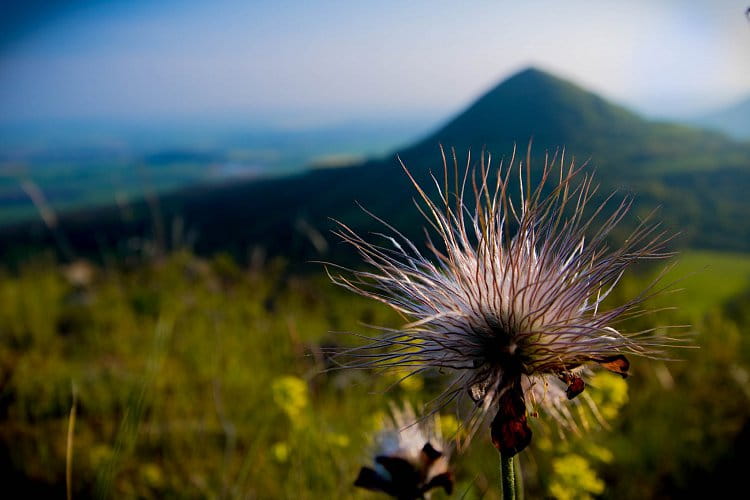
pixel 199 378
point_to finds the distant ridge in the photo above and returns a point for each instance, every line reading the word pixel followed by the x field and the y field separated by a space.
pixel 733 120
pixel 535 105
pixel 700 178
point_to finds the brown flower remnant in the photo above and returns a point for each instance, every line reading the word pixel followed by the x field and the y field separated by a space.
pixel 410 458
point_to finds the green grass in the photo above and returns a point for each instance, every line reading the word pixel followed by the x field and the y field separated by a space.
pixel 706 280
pixel 200 379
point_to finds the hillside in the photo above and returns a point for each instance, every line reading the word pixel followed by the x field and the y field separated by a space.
pixel 556 113
pixel 699 178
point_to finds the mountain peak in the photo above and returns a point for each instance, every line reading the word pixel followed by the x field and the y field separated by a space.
pixel 530 73
pixel 536 104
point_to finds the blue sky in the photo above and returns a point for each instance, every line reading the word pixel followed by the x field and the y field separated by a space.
pixel 301 63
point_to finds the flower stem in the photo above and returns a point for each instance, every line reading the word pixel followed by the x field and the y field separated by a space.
pixel 520 493
pixel 508 477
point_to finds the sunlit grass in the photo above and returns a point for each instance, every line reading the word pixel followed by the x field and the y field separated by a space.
pixel 198 378
pixel 706 280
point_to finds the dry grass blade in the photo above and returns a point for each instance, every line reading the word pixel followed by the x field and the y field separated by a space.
pixel 69 445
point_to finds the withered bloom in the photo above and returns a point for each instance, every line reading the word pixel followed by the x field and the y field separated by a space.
pixel 509 296
pixel 410 458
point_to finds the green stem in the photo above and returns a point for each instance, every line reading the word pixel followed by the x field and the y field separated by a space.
pixel 508 477
pixel 520 493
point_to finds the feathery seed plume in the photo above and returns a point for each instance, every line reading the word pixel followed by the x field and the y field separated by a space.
pixel 508 295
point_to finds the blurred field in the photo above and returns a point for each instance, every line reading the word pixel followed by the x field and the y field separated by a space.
pixel 200 379
pixel 707 280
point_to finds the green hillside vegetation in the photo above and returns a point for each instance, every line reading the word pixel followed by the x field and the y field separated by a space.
pixel 73 182
pixel 699 178
pixel 99 164
pixel 198 378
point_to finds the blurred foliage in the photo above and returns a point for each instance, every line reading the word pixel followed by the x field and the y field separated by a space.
pixel 202 379
pixel 574 479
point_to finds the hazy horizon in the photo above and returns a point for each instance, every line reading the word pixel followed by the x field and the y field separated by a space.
pixel 293 65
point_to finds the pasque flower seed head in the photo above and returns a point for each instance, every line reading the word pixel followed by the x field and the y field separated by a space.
pixel 507 292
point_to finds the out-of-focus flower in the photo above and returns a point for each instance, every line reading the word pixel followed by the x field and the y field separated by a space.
pixel 510 296
pixel 407 381
pixel 280 451
pixel 449 425
pixel 410 458
pixel 337 440
pixel 79 273
pixel 574 479
pixel 290 394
